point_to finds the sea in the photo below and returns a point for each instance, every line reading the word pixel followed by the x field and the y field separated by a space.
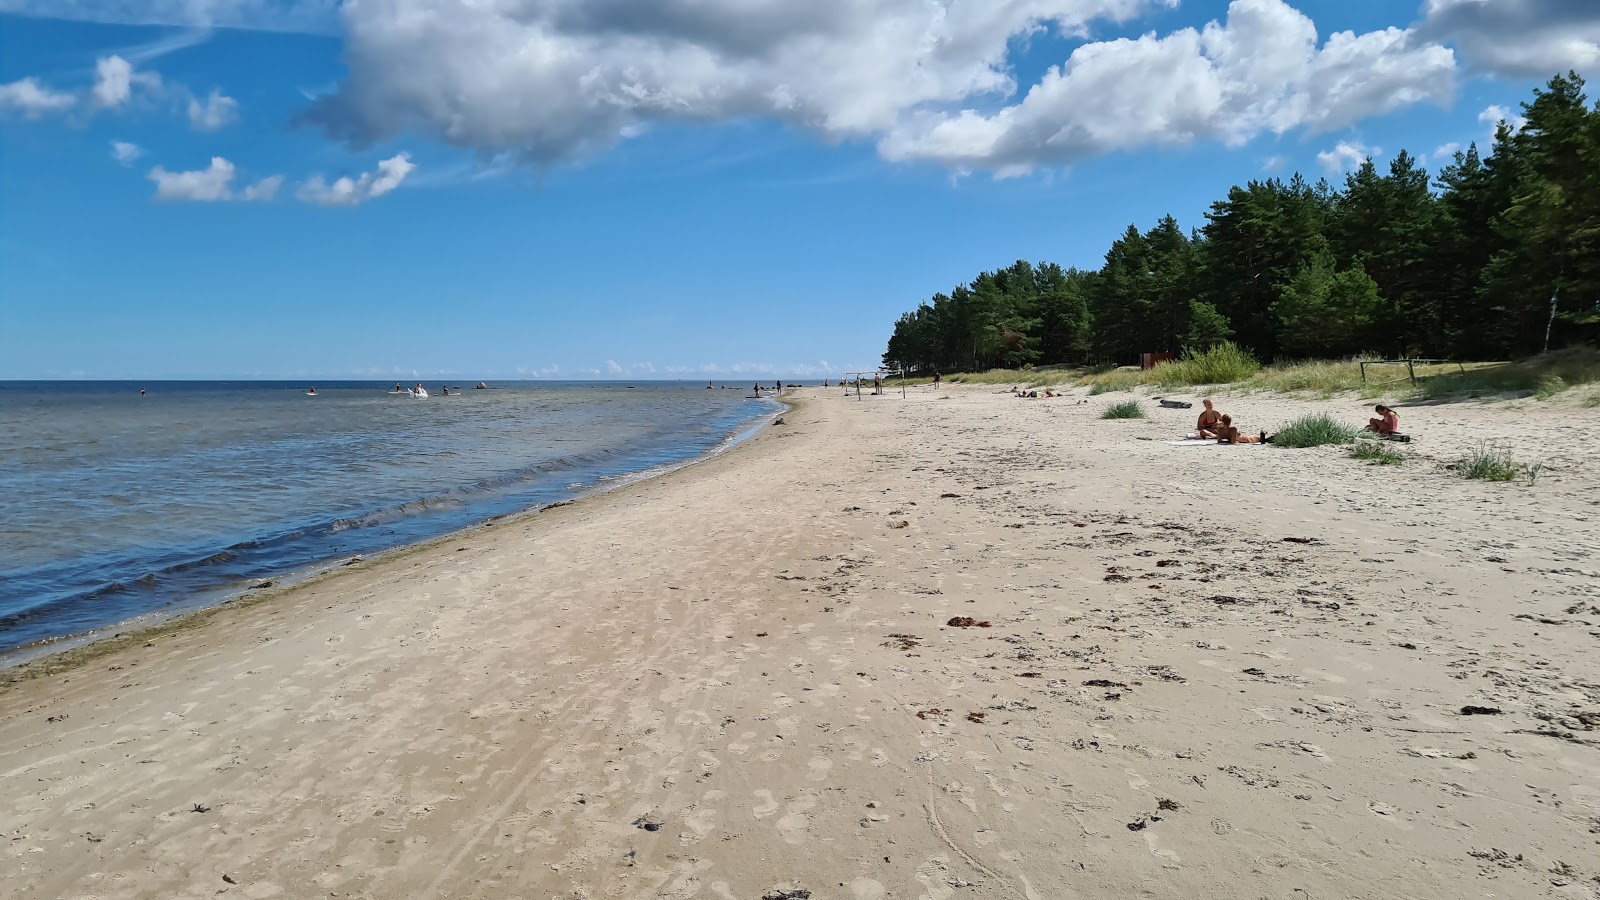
pixel 118 509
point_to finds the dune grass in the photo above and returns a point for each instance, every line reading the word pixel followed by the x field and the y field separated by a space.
pixel 1226 363
pixel 1489 463
pixel 1376 453
pixel 1543 376
pixel 1114 380
pixel 1018 377
pixel 1314 431
pixel 1129 409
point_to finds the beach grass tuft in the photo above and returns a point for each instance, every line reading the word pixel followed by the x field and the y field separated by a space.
pixel 1314 431
pixel 1376 453
pixel 1129 409
pixel 1226 363
pixel 1488 463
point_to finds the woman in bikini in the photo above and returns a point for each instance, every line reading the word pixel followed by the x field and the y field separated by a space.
pixel 1210 420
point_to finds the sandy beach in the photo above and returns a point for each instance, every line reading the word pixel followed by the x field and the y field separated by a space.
pixel 1192 672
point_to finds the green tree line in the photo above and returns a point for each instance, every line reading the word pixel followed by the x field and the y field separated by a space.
pixel 1463 265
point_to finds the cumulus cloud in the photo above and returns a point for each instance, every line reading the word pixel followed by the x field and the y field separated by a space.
pixel 1346 156
pixel 1446 151
pixel 33 99
pixel 612 368
pixel 206 185
pixel 212 184
pixel 554 79
pixel 347 191
pixel 1260 72
pixel 114 81
pixel 1518 38
pixel 1494 115
pixel 265 189
pixel 216 111
pixel 125 153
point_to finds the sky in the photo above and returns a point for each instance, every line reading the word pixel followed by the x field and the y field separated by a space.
pixel 660 188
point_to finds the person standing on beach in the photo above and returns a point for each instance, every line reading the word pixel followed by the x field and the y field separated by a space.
pixel 877 383
pixel 935 378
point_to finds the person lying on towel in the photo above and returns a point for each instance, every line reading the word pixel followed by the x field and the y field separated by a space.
pixel 1227 434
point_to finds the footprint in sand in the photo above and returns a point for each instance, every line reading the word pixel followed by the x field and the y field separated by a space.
pixel 767 807
pixel 934 875
pixel 700 823
pixel 867 889
pixel 793 825
pixel 819 769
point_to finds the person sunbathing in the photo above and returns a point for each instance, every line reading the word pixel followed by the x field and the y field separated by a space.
pixel 1227 434
pixel 1386 426
pixel 1209 421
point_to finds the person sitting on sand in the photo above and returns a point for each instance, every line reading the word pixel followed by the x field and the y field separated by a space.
pixel 1209 421
pixel 1388 425
pixel 1227 434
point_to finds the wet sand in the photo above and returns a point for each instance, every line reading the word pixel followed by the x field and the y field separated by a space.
pixel 1226 672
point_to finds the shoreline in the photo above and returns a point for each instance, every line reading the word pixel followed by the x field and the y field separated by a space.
pixel 1224 672
pixel 65 652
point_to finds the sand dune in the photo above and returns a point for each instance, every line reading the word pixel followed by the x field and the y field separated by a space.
pixel 1225 673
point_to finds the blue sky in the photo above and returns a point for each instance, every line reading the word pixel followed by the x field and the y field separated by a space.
pixel 633 188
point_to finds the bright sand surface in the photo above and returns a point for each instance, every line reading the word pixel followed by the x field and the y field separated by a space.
pixel 1212 672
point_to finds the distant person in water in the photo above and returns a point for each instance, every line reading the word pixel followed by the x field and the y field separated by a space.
pixel 397 387
pixel 141 392
pixel 1388 422
pixel 1209 421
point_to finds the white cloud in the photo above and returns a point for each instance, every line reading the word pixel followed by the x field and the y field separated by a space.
pixel 1261 72
pixel 644 368
pixel 217 110
pixel 125 153
pixel 1494 115
pixel 612 368
pixel 212 184
pixel 1346 156
pixel 552 79
pixel 1446 151
pixel 1518 38
pixel 1273 164
pixel 265 189
pixel 114 81
pixel 206 185
pixel 347 191
pixel 33 99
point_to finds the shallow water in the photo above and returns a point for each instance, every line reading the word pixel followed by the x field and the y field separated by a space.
pixel 114 506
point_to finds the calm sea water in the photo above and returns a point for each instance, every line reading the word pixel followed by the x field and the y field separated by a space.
pixel 114 506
